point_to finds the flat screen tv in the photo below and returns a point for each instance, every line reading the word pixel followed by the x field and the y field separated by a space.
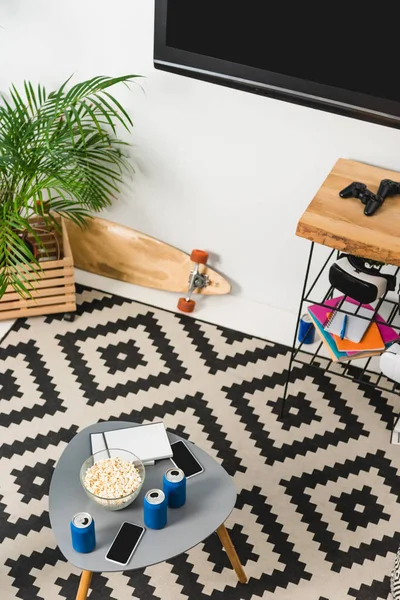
pixel 343 60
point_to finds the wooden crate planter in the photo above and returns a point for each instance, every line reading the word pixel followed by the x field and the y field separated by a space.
pixel 54 288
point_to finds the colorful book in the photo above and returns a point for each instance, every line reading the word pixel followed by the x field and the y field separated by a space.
pixel 371 341
pixel 388 334
pixel 356 325
pixel 334 353
pixel 320 317
pixel 328 340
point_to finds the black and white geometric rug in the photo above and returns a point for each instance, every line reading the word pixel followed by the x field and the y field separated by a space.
pixel 318 508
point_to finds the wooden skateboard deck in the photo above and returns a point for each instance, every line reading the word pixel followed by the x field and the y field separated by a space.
pixel 119 252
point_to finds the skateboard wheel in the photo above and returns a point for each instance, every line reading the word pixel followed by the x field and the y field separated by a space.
pixel 199 256
pixel 186 305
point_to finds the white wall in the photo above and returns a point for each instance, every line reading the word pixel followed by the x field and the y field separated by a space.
pixel 217 168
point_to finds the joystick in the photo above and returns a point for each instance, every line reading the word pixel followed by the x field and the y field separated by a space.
pixel 353 190
pixel 366 196
pixel 372 205
pixel 387 187
pixel 372 201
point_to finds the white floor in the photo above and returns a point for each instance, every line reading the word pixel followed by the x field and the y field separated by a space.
pixel 5 326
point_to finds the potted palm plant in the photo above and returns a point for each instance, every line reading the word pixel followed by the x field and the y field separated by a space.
pixel 60 157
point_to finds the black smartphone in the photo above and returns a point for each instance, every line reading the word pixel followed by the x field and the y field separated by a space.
pixel 125 543
pixel 184 459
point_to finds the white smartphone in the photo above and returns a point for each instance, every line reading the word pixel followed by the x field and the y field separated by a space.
pixel 183 458
pixel 125 543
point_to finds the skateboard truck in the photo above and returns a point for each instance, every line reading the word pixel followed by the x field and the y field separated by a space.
pixel 197 280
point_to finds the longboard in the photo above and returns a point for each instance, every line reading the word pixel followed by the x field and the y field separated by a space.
pixel 119 252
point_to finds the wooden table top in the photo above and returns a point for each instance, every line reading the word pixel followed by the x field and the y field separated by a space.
pixel 340 223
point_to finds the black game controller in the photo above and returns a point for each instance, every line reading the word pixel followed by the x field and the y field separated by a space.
pixel 354 190
pixel 360 191
pixel 371 201
pixel 387 188
pixel 366 196
pixel 372 205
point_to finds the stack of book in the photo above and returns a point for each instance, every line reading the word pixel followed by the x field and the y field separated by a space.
pixel 357 337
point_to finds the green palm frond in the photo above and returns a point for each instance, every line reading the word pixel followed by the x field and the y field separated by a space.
pixel 60 147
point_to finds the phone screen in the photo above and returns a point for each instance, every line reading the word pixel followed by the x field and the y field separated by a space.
pixel 125 543
pixel 185 460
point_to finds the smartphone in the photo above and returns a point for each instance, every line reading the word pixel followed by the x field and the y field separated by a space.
pixel 184 459
pixel 125 543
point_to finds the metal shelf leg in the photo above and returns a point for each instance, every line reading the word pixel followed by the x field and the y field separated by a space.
pixel 293 349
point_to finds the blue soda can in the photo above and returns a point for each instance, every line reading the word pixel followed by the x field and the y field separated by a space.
pixel 155 509
pixel 174 486
pixel 306 330
pixel 82 532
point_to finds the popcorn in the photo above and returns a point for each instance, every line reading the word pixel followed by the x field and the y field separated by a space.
pixel 112 478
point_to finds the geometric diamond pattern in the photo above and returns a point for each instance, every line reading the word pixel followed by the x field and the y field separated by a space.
pixel 342 550
pixel 121 356
pixel 88 358
pixel 33 482
pixel 217 556
pixel 359 508
pixel 317 515
pixel 8 386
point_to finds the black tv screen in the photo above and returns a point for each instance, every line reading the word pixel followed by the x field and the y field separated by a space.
pixel 309 53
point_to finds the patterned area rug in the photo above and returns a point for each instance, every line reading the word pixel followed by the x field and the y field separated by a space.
pixel 318 511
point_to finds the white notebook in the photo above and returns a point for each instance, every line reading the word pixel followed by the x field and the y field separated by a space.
pixel 98 443
pixel 355 327
pixel 149 442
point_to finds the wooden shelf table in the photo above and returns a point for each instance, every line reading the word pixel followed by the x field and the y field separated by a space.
pixel 340 224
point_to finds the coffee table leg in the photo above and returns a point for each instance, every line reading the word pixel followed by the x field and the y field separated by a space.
pixel 86 578
pixel 231 552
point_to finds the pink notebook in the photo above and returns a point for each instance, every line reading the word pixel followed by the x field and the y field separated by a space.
pixel 388 334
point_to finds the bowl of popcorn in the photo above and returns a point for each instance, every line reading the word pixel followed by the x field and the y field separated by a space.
pixel 113 478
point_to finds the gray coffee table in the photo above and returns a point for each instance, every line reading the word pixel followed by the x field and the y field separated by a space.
pixel 211 497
